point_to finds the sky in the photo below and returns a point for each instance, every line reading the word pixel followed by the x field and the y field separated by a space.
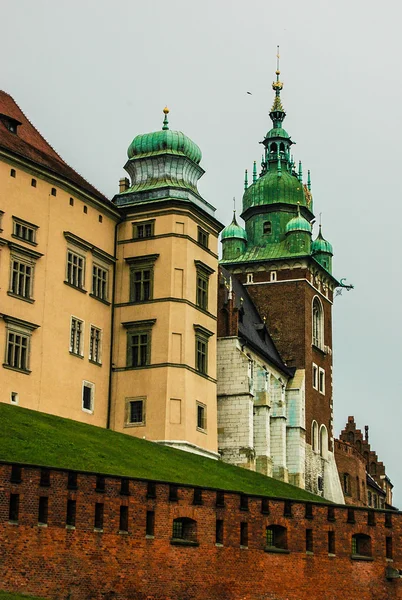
pixel 91 75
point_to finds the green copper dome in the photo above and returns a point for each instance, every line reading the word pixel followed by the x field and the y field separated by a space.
pixel 273 188
pixel 164 141
pixel 277 132
pixel 298 223
pixel 234 230
pixel 321 245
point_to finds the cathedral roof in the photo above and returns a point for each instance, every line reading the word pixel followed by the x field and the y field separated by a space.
pixel 234 230
pixel 253 328
pixel 19 136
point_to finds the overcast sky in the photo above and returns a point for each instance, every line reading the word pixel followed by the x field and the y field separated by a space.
pixel 91 75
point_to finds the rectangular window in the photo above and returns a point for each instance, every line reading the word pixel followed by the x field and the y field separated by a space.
pixel 202 291
pixel 321 380
pixel 98 520
pixel 17 351
pixel 219 531
pixel 309 540
pixel 99 282
pixel 201 416
pixel 72 481
pixel 71 513
pixel 123 526
pixel 100 483
pixel 388 547
pixel 16 474
pixel 173 493
pixel 43 510
pixel 125 487
pixel 220 499
pixel 201 355
pixel 143 230
pixel 95 345
pixel 14 508
pixel 135 411
pixel 315 377
pixel 21 283
pixel 331 542
pixel 243 502
pixel 24 230
pixel 44 478
pixel 203 237
pixel 150 523
pixel 88 393
pixel 75 269
pixel 244 534
pixel 139 348
pixel 141 285
pixel 76 336
pixel 151 490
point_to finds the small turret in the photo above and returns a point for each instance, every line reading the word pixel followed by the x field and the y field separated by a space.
pixel 322 251
pixel 298 234
pixel 234 239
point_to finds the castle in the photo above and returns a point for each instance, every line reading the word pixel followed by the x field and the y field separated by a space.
pixel 118 314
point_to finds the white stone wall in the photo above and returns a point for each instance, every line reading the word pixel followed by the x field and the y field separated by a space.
pixel 317 466
pixel 295 430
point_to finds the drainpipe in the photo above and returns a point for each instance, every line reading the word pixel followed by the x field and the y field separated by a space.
pixel 109 398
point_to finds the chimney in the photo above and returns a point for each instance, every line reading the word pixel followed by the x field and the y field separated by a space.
pixel 124 184
pixel 366 428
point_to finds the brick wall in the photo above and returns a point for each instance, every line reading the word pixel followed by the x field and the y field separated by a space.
pixel 78 562
pixel 352 473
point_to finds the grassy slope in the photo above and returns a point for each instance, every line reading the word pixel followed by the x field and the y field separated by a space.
pixel 31 437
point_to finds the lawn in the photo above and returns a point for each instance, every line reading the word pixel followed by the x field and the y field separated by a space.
pixel 36 438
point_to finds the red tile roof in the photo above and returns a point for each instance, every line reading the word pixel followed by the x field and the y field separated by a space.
pixel 28 143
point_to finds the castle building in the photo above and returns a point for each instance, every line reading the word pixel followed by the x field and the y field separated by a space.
pixel 289 279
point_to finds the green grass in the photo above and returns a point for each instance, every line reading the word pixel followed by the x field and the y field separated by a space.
pixel 36 438
pixel 11 596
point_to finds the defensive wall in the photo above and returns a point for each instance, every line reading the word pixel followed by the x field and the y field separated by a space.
pixel 69 535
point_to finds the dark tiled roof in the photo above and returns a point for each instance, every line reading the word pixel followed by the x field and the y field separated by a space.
pixel 252 328
pixel 28 143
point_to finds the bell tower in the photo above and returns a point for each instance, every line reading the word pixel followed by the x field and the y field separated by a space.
pixel 289 277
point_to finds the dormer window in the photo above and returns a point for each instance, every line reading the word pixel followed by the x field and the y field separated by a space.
pixel 10 123
pixel 267 227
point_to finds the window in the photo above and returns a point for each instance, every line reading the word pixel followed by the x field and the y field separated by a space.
pixel 201 416
pixel 53 192
pixel 308 511
pixel 371 518
pixel 14 398
pixel 123 525
pixel 244 534
pixel 351 516
pixel 98 520
pixel 373 468
pixel 71 201
pixel 184 529
pixel 388 547
pixel 197 498
pixel 203 274
pixel 1 218
pixel 309 540
pixel 220 499
pixel 250 278
pixel 14 508
pixel 151 489
pixel 71 513
pixel 16 474
pixel 139 342
pixel 370 498
pixel 314 436
pixel 276 537
pixel 287 508
pixel 18 343
pixel 76 336
pixel 72 481
pixel 150 523
pixel 43 510
pixel 143 230
pixel 95 345
pixel 135 411
pixel 100 218
pixel 141 277
pixel 12 173
pixel 318 324
pixel 125 487
pixel 243 502
pixel 265 506
pixel 324 442
pixel 201 348
pixel 44 478
pixel 331 542
pixel 33 183
pixel 361 544
pixel 331 513
pixel 75 269
pixel 219 532
pixel 100 483
pixel 24 230
pixel 267 227
pixel 321 380
pixel 203 237
pixel 88 393
pixel 388 520
pixel 99 282
pixel 21 284
pixel 315 376
pixel 273 276
pixel 85 209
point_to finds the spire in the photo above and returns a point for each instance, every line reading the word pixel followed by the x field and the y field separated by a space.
pixel 309 182
pixel 254 172
pixel 300 176
pixel 234 208
pixel 165 120
pixel 277 113
pixel 245 180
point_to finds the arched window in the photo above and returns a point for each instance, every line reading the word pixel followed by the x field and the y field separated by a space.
pixel 273 149
pixel 318 323
pixel 267 227
pixel 323 441
pixel 314 436
pixel 366 456
pixel 361 544
pixel 276 537
pixel 351 437
pixel 358 487
pixel 346 484
pixel 184 530
pixel 359 445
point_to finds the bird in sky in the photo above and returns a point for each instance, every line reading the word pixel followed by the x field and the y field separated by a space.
pixel 249 93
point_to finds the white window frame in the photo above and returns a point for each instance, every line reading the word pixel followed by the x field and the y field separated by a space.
pixel 81 342
pixel 91 386
pixel 273 276
pixel 315 441
pixel 127 421
pixel 321 377
pixel 250 277
pixel 315 376
pixel 317 323
pixel 27 262
pixel 93 327
pixel 204 417
pixel 28 227
pixel 14 398
pixel 80 256
pixel 95 294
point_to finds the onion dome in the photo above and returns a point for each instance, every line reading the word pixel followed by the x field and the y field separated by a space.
pixel 274 189
pixel 321 245
pixel 164 141
pixel 234 230
pixel 298 223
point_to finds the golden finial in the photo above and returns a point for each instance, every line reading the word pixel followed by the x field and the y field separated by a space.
pixel 277 85
pixel 166 110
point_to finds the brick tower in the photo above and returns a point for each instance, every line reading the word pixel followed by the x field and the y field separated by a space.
pixel 289 278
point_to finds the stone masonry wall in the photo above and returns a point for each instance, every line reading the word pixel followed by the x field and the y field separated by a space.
pixel 79 562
